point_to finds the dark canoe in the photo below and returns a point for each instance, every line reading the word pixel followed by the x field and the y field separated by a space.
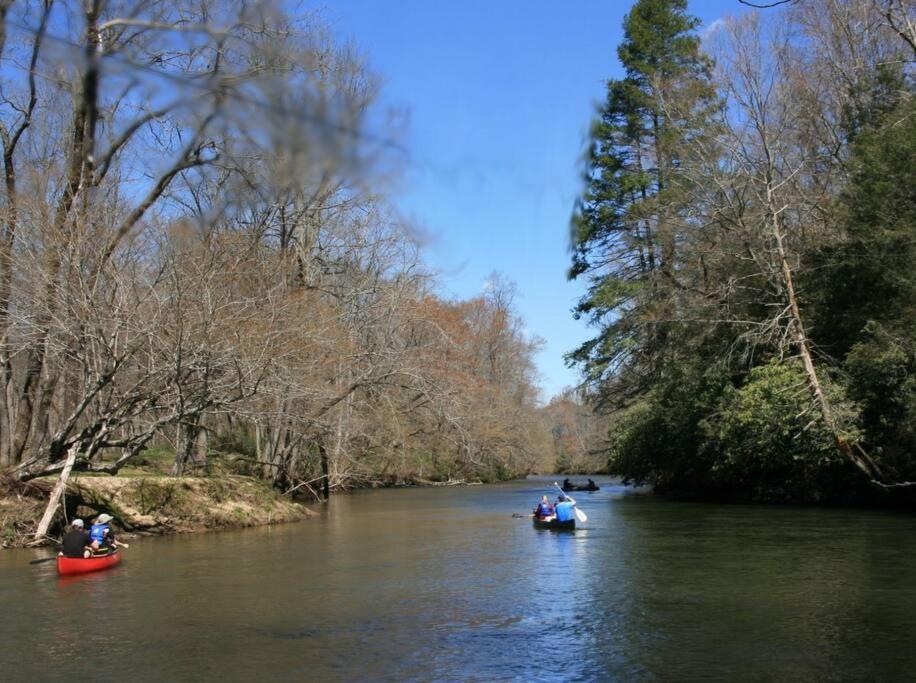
pixel 582 487
pixel 67 566
pixel 554 524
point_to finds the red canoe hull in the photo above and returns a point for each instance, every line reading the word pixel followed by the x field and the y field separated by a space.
pixel 67 566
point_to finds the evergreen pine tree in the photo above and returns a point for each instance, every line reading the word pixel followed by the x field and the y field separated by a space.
pixel 629 226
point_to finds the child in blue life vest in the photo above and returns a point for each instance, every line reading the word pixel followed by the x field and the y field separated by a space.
pixel 101 537
pixel 544 510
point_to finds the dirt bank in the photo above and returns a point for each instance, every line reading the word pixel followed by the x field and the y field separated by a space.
pixel 142 504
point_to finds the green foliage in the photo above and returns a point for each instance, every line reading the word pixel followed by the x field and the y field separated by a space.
pixel 881 371
pixel 638 444
pixel 700 435
pixel 658 439
pixel 864 111
pixel 503 473
pixel 563 462
pixel 763 425
pixel 864 292
pixel 238 440
pixel 868 277
pixel 769 439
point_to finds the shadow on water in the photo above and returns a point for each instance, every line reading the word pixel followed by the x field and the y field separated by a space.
pixel 445 584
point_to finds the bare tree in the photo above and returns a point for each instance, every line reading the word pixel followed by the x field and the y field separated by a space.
pixel 771 199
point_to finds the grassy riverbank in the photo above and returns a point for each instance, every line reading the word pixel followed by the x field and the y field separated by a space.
pixel 143 502
pixel 145 499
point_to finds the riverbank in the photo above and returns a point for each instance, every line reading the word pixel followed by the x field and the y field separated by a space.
pixel 146 504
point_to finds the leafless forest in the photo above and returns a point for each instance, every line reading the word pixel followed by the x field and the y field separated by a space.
pixel 197 253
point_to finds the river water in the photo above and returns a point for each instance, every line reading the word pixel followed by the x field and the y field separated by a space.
pixel 444 584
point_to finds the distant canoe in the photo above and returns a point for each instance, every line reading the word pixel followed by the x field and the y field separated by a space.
pixel 554 523
pixel 67 566
pixel 582 487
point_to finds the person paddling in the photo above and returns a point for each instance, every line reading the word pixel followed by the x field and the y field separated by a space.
pixel 564 508
pixel 76 540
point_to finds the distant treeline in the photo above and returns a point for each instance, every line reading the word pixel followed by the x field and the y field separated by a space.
pixel 747 234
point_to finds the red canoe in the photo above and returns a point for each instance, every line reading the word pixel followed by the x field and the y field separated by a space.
pixel 67 566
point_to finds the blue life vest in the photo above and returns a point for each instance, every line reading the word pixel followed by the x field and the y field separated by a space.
pixel 545 510
pixel 564 511
pixel 97 532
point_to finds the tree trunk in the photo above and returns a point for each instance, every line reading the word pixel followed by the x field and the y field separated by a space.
pixel 6 453
pixel 79 166
pixel 56 494
pixel 800 336
pixel 24 405
pixel 201 446
pixel 185 452
pixel 325 473
pixel 257 442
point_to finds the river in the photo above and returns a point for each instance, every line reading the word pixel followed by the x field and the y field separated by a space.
pixel 444 584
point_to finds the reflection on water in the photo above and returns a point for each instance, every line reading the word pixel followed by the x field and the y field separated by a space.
pixel 444 584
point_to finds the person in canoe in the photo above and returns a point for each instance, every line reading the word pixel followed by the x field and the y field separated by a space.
pixel 102 538
pixel 564 508
pixel 544 510
pixel 76 540
pixel 568 485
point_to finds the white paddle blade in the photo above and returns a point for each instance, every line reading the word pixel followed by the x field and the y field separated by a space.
pixel 581 516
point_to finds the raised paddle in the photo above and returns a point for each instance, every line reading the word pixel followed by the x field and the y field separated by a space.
pixel 581 516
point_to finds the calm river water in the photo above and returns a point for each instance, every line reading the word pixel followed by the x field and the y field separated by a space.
pixel 444 584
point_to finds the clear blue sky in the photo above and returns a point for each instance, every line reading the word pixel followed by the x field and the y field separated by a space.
pixel 499 94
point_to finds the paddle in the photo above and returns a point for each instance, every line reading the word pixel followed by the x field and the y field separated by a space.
pixel 44 559
pixel 581 516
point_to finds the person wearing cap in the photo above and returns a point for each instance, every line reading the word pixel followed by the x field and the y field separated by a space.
pixel 101 537
pixel 76 540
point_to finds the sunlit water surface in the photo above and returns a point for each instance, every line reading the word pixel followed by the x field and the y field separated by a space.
pixel 444 584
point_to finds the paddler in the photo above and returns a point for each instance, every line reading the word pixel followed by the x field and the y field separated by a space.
pixel 76 540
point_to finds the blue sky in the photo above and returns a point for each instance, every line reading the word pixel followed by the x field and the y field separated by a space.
pixel 499 96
